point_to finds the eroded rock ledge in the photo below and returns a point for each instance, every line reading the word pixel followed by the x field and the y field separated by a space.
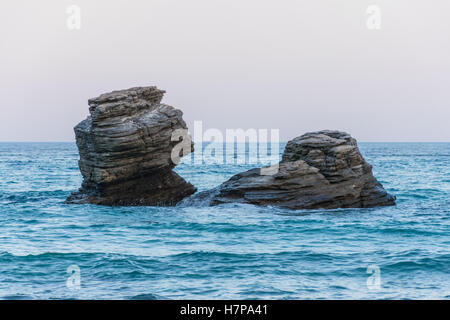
pixel 125 148
pixel 318 170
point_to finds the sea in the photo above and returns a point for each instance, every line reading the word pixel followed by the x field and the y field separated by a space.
pixel 52 250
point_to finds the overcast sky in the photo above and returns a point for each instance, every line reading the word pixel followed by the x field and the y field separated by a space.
pixel 293 65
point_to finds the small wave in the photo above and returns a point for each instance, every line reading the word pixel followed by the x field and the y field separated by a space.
pixel 408 231
pixel 17 297
pixel 49 255
pixel 201 199
pixel 307 255
pixel 31 196
pixel 145 296
pixel 435 263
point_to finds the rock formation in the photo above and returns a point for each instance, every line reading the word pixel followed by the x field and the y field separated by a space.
pixel 125 148
pixel 318 170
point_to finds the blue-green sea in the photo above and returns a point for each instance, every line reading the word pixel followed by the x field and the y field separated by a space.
pixel 50 250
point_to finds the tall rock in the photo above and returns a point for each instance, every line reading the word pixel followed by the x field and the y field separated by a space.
pixel 318 170
pixel 126 147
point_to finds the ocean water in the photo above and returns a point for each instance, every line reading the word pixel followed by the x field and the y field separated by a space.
pixel 228 251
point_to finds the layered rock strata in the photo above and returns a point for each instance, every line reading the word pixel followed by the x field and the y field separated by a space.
pixel 126 147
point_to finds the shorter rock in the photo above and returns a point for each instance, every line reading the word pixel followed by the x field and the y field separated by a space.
pixel 318 170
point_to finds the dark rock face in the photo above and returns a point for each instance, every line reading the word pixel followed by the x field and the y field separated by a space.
pixel 318 170
pixel 126 147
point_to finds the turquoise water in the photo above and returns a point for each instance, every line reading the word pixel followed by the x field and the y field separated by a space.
pixel 229 251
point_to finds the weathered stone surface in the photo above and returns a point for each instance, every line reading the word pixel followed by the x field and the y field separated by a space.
pixel 125 148
pixel 318 170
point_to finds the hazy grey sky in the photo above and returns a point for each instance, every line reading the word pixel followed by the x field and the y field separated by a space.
pixel 294 65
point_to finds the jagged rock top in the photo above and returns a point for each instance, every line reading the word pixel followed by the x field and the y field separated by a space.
pixel 146 93
pixel 128 102
pixel 321 140
pixel 334 153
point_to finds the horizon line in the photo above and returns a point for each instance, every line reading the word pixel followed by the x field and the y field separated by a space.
pixel 362 141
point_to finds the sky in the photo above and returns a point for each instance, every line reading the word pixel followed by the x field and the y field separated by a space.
pixel 291 65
